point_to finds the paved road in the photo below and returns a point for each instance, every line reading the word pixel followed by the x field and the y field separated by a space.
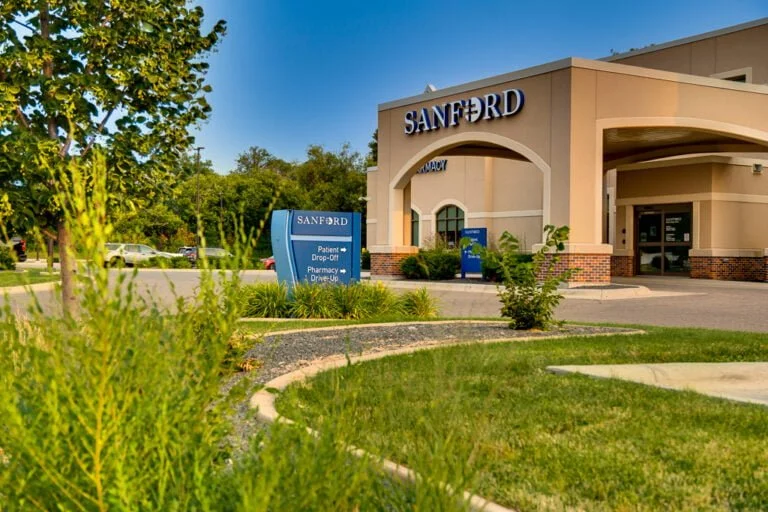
pixel 711 304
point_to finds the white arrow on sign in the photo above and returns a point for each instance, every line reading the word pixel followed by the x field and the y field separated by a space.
pixel 343 271
pixel 343 249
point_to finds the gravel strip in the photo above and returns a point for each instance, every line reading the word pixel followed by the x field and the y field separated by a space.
pixel 285 352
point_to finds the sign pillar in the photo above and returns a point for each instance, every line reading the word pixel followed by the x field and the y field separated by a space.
pixel 316 247
pixel 470 261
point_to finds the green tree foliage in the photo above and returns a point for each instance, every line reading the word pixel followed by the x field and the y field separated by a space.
pixel 373 150
pixel 334 181
pixel 79 74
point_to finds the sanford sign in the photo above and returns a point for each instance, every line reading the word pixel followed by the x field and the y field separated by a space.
pixel 472 110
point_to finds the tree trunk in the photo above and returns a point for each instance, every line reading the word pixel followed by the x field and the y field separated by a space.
pixel 67 269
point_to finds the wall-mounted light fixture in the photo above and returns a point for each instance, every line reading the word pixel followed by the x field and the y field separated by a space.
pixel 757 168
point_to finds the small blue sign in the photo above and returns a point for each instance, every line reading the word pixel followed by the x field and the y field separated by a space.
pixel 316 247
pixel 470 261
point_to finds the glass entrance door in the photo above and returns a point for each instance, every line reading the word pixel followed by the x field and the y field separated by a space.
pixel 663 239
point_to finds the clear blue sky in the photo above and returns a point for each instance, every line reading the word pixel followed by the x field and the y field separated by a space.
pixel 292 73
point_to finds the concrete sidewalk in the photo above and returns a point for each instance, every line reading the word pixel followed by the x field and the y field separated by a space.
pixel 742 382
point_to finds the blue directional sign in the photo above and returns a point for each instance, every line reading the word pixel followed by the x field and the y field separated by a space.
pixel 316 247
pixel 470 261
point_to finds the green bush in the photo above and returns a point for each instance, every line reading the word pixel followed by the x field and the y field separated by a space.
pixel 434 264
pixel 419 303
pixel 312 301
pixel 491 265
pixel 414 267
pixel 265 300
pixel 7 259
pixel 365 260
pixel 442 263
pixel 529 291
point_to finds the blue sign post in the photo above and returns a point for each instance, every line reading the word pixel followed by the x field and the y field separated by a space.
pixel 470 261
pixel 316 247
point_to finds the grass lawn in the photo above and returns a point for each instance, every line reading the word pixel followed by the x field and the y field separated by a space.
pixel 32 276
pixel 491 418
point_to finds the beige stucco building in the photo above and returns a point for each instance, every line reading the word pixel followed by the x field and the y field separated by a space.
pixel 653 158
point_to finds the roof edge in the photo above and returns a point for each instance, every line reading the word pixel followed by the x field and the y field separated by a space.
pixel 477 84
pixel 685 40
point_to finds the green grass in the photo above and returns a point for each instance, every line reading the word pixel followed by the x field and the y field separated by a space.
pixel 14 278
pixel 537 441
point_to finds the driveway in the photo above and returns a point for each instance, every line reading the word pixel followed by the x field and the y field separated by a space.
pixel 673 301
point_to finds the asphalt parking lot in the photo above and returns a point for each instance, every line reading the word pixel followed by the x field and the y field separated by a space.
pixel 673 301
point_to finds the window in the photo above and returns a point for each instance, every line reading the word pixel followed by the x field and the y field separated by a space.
pixel 414 228
pixel 450 222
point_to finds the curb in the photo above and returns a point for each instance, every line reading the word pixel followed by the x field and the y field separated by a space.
pixel 264 401
pixel 26 288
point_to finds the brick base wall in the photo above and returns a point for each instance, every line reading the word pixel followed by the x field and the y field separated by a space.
pixel 730 268
pixel 593 268
pixel 623 266
pixel 386 264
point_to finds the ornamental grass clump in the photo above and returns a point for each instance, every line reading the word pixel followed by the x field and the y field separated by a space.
pixel 419 304
pixel 312 301
pixel 266 300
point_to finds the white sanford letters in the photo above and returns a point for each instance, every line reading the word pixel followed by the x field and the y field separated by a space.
pixel 488 107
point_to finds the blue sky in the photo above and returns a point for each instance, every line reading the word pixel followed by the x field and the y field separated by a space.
pixel 292 73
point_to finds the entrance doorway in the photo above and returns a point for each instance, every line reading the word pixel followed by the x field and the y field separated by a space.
pixel 664 238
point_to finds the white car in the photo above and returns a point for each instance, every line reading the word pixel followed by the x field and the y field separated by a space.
pixel 130 254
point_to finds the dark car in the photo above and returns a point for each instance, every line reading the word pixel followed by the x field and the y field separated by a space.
pixel 19 247
pixel 269 263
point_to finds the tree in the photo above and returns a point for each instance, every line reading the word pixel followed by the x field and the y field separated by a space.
pixel 77 75
pixel 373 150
pixel 334 181
pixel 256 159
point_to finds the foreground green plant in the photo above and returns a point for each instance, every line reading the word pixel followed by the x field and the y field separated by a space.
pixel 120 405
pixel 528 290
pixel 539 441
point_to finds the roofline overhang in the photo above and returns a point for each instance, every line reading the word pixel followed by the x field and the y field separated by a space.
pixel 576 62
pixel 687 40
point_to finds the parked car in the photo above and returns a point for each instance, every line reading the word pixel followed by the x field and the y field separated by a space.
pixel 20 248
pixel 211 253
pixel 269 263
pixel 130 254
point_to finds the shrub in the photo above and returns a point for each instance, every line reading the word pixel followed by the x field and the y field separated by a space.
pixel 526 302
pixel 365 260
pixel 265 300
pixel 435 264
pixel 414 267
pixel 419 303
pixel 312 301
pixel 442 263
pixel 7 260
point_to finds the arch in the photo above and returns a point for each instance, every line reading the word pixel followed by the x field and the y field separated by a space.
pixel 443 204
pixel 406 172
pixel 754 141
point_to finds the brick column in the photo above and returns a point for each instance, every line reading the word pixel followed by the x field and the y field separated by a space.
pixel 385 260
pixel 623 266
pixel 732 268
pixel 591 268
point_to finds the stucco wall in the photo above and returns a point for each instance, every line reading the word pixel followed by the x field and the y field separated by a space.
pixel 711 56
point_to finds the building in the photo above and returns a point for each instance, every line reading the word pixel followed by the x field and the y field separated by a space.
pixel 653 158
